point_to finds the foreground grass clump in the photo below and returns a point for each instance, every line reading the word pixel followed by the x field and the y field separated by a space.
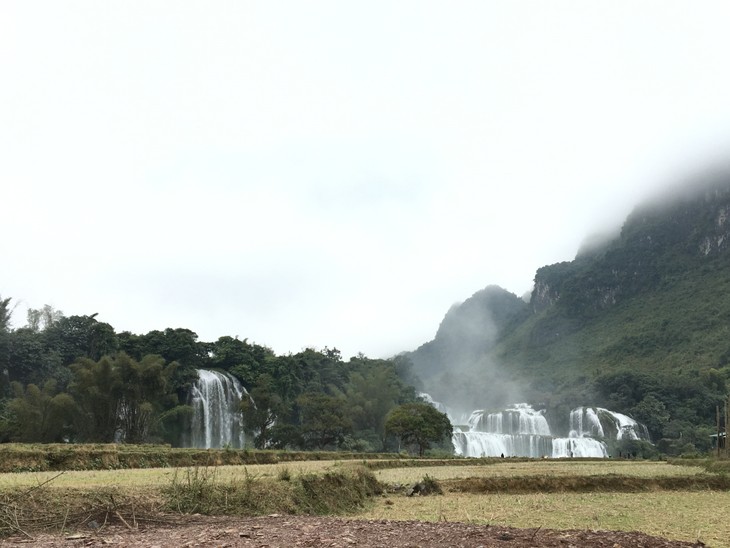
pixel 199 491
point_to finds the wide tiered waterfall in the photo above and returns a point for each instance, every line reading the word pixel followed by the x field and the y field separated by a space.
pixel 216 420
pixel 521 431
pixel 518 431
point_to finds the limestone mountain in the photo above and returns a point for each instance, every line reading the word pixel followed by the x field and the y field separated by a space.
pixel 639 322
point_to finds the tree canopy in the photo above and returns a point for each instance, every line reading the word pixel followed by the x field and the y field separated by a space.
pixel 418 424
pixel 76 379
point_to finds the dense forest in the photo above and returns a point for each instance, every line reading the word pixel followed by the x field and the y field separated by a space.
pixel 74 379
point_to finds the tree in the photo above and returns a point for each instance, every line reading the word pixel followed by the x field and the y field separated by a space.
pixel 39 319
pixel 418 424
pixel 76 337
pixel 5 313
pixel 144 392
pixel 652 412
pixel 174 345
pixel 374 388
pixel 96 387
pixel 28 359
pixel 121 398
pixel 324 420
pixel 39 414
pixel 261 410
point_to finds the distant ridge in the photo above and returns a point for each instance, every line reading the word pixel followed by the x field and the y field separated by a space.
pixel 638 322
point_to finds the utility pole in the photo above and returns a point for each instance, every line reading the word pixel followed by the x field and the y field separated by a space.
pixel 717 420
pixel 727 412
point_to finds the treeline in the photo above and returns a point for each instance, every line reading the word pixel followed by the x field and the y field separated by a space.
pixel 75 379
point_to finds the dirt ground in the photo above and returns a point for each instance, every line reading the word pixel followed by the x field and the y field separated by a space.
pixel 290 531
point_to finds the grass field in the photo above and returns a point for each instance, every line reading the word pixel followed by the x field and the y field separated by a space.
pixel 681 515
pixel 690 516
pixel 155 477
pixel 564 468
pixel 698 514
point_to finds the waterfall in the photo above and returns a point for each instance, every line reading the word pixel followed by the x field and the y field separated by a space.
pixel 519 431
pixel 584 422
pixel 578 447
pixel 216 421
pixel 603 423
pixel 522 431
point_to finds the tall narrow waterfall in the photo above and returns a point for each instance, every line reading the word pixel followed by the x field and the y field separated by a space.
pixel 216 422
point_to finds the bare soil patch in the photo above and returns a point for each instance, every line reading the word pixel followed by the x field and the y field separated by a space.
pixel 306 531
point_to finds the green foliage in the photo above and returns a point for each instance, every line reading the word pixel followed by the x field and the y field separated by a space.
pixel 39 414
pixel 238 357
pixel 262 409
pixel 134 388
pixel 5 314
pixel 374 388
pixel 96 388
pixel 120 398
pixel 418 424
pixel 145 387
pixel 324 420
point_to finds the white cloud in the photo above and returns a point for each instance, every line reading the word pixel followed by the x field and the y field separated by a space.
pixel 329 173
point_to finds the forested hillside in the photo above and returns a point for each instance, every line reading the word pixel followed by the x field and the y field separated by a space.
pixel 640 324
pixel 75 379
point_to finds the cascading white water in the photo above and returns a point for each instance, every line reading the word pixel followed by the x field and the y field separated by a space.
pixel 584 422
pixel 599 422
pixel 518 431
pixel 521 431
pixel 216 421
pixel 579 448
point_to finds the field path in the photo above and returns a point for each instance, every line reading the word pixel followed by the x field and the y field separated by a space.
pixel 291 531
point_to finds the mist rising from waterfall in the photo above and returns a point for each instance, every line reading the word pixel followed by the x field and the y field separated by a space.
pixel 457 366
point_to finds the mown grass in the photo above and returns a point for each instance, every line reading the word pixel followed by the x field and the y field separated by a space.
pixel 678 515
pixel 387 471
pixel 553 468
pixel 156 477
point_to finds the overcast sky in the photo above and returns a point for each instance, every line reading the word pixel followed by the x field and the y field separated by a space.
pixel 334 173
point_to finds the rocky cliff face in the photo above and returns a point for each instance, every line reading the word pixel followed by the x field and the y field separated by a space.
pixel 660 244
pixel 657 242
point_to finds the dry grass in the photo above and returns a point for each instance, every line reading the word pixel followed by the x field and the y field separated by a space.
pixel 155 477
pixel 641 469
pixel 682 515
pixel 197 490
pixel 688 516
